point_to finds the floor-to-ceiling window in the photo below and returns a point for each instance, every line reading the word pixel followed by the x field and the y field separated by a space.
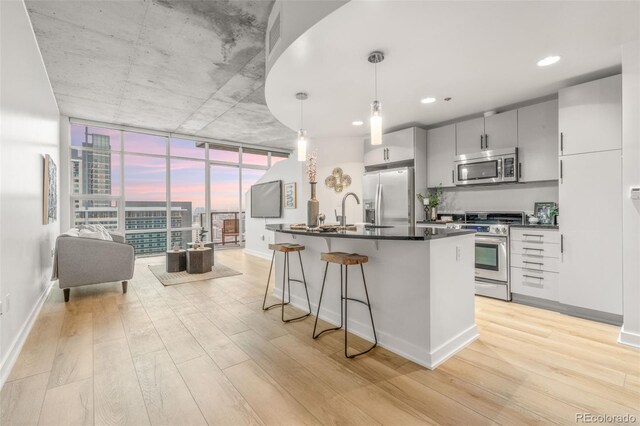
pixel 162 190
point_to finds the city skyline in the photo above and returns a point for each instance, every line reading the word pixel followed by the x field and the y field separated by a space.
pixel 144 176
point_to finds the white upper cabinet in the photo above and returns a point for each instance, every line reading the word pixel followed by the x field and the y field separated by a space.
pixel 400 145
pixel 396 147
pixel 537 141
pixel 501 130
pixel 470 136
pixel 591 116
pixel 441 152
pixel 487 133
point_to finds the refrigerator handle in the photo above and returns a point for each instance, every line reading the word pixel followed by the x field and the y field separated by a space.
pixel 377 207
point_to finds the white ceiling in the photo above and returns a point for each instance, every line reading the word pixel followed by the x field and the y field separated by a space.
pixel 482 54
pixel 187 66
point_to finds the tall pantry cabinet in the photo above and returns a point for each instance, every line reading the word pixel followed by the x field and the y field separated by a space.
pixel 590 195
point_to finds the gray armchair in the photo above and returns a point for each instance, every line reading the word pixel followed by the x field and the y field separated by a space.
pixel 85 261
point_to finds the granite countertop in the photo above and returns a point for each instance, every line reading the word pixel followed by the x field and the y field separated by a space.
pixel 397 233
pixel 535 226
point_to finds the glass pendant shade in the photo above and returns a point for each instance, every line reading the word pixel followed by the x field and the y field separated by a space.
pixel 302 145
pixel 376 124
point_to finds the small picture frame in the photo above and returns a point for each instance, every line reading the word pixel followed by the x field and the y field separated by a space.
pixel 542 211
pixel 290 195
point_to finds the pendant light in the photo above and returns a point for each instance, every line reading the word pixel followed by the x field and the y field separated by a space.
pixel 302 134
pixel 376 107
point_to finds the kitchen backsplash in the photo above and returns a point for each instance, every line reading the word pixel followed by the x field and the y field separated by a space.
pixel 507 197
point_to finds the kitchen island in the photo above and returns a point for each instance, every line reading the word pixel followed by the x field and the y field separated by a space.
pixel 420 282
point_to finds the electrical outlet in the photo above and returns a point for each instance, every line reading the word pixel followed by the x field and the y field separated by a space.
pixel 7 303
pixel 458 253
pixel 261 237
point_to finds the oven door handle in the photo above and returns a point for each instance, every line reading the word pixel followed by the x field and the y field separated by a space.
pixel 491 240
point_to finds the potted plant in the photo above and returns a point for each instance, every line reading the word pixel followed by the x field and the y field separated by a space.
pixel 431 202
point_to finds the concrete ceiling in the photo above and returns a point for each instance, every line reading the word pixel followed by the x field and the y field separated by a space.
pixel 187 66
pixel 483 54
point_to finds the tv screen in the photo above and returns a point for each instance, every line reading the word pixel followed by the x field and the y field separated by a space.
pixel 266 199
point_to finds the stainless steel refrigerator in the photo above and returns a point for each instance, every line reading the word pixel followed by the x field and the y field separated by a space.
pixel 389 197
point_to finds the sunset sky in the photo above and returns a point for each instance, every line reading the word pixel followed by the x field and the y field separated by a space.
pixel 145 176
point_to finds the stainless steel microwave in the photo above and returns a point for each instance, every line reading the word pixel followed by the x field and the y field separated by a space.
pixel 497 166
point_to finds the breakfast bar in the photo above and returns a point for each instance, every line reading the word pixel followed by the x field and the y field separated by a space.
pixel 420 283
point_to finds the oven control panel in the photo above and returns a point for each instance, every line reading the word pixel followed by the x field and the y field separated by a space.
pixel 481 228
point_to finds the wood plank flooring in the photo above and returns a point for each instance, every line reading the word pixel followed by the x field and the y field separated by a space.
pixel 205 353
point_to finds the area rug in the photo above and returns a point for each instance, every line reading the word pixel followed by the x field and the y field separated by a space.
pixel 173 278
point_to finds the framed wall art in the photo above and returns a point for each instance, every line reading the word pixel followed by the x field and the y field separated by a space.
pixel 50 191
pixel 290 195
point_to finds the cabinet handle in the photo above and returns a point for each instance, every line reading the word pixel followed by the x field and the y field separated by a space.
pixel 481 142
pixel 532 276
pixel 388 156
pixel 486 141
pixel 561 243
pixel 531 248
pixel 561 142
pixel 561 172
pixel 519 170
pixel 533 235
pixel 533 263
pixel 453 176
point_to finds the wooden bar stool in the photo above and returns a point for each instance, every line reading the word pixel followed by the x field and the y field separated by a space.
pixel 286 249
pixel 345 259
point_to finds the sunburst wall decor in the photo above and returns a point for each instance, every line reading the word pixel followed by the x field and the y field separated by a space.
pixel 337 180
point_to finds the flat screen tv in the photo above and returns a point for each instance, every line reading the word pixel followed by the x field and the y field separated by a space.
pixel 266 199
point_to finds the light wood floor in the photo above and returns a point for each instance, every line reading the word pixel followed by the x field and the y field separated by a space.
pixel 205 353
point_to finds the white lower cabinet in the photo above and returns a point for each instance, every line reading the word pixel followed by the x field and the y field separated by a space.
pixel 590 209
pixel 540 284
pixel 535 263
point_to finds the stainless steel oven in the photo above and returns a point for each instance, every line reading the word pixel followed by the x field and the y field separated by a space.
pixel 487 167
pixel 492 250
pixel 492 258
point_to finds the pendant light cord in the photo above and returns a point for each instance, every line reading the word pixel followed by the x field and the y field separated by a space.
pixel 375 67
pixel 301 116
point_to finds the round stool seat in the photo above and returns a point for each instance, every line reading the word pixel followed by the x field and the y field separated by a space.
pixel 286 247
pixel 344 258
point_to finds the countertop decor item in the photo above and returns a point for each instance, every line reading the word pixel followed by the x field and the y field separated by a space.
pixel 321 219
pixel 337 180
pixel 313 205
pixel 543 211
pixel 431 202
pixel 290 195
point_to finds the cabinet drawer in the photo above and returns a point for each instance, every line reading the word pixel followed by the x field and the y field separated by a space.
pixel 543 285
pixel 535 263
pixel 535 250
pixel 536 236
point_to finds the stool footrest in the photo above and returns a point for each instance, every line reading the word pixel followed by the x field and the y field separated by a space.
pixel 356 300
pixel 275 305
pixel 315 336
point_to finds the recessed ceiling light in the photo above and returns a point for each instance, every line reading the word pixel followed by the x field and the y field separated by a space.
pixel 428 100
pixel 357 123
pixel 549 60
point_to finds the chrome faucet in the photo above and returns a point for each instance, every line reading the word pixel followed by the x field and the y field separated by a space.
pixel 343 217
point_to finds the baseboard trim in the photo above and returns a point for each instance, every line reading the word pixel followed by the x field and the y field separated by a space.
pixel 628 338
pixel 401 347
pixel 256 253
pixel 453 346
pixel 14 351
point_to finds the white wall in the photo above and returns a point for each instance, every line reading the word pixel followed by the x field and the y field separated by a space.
pixel 29 119
pixel 630 333
pixel 508 197
pixel 346 153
